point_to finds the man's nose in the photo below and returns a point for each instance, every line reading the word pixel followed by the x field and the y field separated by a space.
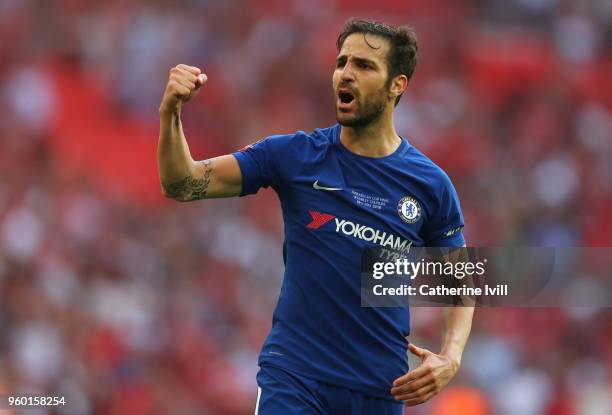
pixel 347 73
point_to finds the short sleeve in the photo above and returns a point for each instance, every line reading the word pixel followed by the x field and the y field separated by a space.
pixel 259 163
pixel 446 224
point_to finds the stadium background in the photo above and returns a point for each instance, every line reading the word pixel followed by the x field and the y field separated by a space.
pixel 133 304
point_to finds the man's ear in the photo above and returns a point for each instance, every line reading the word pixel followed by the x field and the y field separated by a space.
pixel 399 84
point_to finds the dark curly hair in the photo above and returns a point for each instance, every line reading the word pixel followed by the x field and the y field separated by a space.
pixel 403 51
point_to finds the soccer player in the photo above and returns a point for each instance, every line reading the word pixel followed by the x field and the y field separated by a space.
pixel 354 185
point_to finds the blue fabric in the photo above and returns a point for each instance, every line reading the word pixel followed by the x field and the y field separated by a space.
pixel 282 392
pixel 335 203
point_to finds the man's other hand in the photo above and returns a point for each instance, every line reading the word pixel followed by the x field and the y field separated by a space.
pixel 426 380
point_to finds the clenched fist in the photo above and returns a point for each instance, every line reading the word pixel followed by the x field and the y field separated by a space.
pixel 184 83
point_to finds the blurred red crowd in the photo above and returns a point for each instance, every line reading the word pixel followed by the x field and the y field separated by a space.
pixel 132 304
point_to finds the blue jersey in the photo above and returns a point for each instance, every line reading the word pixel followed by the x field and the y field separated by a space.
pixel 335 203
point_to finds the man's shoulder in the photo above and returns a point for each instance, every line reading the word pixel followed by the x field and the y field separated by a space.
pixel 302 143
pixel 318 136
pixel 426 168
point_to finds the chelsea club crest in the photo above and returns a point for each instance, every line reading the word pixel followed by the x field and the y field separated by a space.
pixel 409 209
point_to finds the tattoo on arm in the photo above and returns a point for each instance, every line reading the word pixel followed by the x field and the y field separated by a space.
pixel 190 188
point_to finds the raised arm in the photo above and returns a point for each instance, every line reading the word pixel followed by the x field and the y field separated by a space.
pixel 181 177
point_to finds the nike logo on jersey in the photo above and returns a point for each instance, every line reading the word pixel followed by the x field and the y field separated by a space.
pixel 316 186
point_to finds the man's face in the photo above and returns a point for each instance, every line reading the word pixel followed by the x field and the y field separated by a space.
pixel 360 80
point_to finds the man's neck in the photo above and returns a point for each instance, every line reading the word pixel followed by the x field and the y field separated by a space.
pixel 377 139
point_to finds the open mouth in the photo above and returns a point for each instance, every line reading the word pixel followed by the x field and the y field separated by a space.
pixel 345 99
